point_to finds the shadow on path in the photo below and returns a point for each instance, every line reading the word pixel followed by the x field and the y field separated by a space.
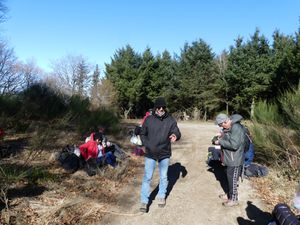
pixel 29 190
pixel 174 172
pixel 219 171
pixel 255 216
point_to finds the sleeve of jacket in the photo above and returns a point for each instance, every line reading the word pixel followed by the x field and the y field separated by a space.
pixel 175 130
pixel 83 150
pixel 144 132
pixel 232 140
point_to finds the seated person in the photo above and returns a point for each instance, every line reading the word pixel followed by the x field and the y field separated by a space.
pixel 106 154
pixel 90 148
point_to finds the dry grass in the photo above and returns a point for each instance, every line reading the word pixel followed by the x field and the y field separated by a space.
pixel 70 198
pixel 77 210
pixel 274 189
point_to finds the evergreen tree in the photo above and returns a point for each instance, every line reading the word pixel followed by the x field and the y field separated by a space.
pixel 283 60
pixel 164 81
pixel 82 78
pixel 95 87
pixel 143 83
pixel 197 74
pixel 249 72
pixel 221 85
pixel 123 73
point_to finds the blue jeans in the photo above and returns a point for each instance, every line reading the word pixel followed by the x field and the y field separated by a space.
pixel 150 165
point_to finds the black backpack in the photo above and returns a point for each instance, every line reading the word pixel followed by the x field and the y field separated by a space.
pixel 256 170
pixel 68 160
pixel 91 166
pixel 283 215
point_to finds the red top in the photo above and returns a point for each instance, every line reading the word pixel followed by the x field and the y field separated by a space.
pixel 89 149
pixel 144 118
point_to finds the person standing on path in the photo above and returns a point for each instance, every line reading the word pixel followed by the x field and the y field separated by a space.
pixel 233 143
pixel 158 131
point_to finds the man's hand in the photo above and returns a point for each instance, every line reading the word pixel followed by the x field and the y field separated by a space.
pixel 173 137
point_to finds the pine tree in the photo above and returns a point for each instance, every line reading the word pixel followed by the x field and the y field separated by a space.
pixel 249 72
pixel 197 74
pixel 95 87
pixel 82 78
pixel 123 73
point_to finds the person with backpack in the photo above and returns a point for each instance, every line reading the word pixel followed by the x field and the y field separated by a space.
pixel 158 131
pixel 233 143
pixel 90 150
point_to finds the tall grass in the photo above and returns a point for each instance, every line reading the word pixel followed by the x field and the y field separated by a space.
pixel 276 133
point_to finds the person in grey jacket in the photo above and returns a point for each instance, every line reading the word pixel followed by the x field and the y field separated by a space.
pixel 158 131
pixel 233 143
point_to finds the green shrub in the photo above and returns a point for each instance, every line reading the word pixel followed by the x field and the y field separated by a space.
pixel 9 105
pixel 78 106
pixel 276 133
pixel 12 173
pixel 40 102
pixel 104 117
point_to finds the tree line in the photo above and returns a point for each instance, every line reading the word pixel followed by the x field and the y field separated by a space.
pixel 201 83
pixel 196 82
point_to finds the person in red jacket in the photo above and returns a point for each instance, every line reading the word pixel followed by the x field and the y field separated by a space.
pixel 90 149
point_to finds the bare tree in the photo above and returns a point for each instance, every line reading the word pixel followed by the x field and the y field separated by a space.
pixel 9 79
pixel 71 72
pixel 28 73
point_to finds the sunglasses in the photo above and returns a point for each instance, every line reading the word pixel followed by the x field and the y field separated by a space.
pixel 161 107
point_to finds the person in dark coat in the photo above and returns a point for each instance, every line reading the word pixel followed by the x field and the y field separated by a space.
pixel 233 143
pixel 158 131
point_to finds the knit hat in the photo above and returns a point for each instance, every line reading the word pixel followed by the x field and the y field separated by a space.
pixel 160 102
pixel 98 136
pixel 221 118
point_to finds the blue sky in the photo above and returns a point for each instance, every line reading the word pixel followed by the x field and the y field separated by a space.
pixel 46 30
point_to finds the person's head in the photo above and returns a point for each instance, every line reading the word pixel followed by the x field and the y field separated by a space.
pixel 160 106
pixel 101 128
pixel 222 120
pixel 98 137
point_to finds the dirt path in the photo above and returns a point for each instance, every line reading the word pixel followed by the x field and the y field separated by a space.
pixel 193 199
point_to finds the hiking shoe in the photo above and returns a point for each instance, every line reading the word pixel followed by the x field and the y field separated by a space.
pixel 161 202
pixel 223 197
pixel 143 207
pixel 230 203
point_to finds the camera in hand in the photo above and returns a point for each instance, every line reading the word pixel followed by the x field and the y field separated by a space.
pixel 215 138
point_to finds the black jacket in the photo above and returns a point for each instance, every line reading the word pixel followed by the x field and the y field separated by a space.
pixel 155 135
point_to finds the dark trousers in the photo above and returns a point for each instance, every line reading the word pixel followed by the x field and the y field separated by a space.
pixel 233 173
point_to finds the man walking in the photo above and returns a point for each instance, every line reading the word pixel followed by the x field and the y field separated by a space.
pixel 233 143
pixel 158 131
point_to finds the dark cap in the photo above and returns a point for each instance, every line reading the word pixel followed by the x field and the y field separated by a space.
pixel 160 102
